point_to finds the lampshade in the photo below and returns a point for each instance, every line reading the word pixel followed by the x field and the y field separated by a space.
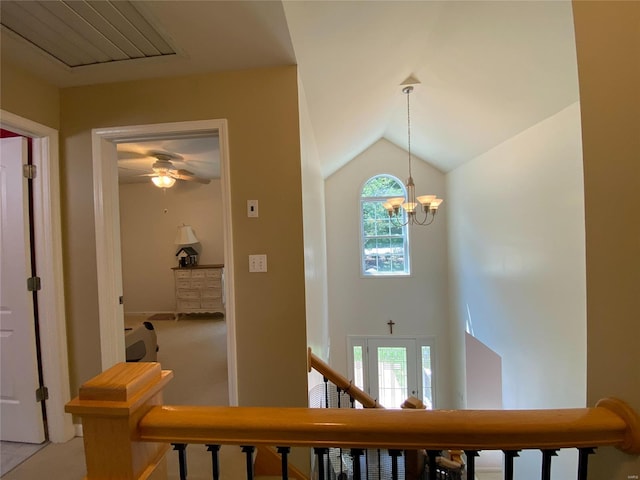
pixel 186 236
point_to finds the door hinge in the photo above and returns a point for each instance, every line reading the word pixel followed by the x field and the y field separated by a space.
pixel 29 171
pixel 33 284
pixel 42 393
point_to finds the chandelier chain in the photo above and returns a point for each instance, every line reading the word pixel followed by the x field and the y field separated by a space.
pixel 408 92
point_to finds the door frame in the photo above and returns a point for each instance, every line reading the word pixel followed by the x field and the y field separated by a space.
pixel 107 226
pixel 49 265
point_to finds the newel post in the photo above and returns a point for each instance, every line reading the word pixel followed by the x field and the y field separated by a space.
pixel 111 406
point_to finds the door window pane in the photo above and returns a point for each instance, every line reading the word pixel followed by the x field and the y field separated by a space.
pixel 392 376
pixel 427 391
pixel 358 370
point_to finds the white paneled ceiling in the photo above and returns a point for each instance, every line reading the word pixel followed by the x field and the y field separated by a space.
pixel 81 33
pixel 488 69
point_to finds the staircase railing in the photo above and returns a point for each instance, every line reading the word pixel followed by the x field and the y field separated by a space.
pixel 127 430
pixel 343 384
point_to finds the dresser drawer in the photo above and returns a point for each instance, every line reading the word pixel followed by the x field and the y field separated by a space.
pixel 188 294
pixel 210 293
pixel 212 283
pixel 197 273
pixel 213 272
pixel 183 273
pixel 183 283
pixel 197 283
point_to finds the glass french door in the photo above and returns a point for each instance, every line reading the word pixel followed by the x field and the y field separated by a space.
pixel 393 369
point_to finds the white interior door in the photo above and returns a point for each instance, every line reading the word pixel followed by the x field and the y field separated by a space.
pixel 21 415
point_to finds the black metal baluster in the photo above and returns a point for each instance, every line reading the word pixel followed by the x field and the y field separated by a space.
pixel 546 463
pixel 394 454
pixel 379 464
pixel 583 461
pixel 248 451
pixel 339 390
pixel 356 453
pixel 431 462
pixel 182 458
pixel 509 455
pixel 471 463
pixel 323 473
pixel 215 462
pixel 366 464
pixel 352 401
pixel 326 392
pixel 284 452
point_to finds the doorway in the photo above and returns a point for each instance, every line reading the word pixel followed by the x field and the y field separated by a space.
pixel 108 253
pixel 391 369
pixel 48 261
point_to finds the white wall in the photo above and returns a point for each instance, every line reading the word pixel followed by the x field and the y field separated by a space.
pixel 363 306
pixel 315 241
pixel 149 217
pixel 517 252
pixel 315 246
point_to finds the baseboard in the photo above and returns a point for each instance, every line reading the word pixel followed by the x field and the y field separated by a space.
pixel 78 429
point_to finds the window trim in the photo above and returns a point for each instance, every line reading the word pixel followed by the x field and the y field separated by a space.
pixel 405 229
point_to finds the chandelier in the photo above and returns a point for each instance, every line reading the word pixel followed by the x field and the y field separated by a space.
pixel 420 210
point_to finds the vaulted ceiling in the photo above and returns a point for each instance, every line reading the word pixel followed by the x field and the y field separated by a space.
pixel 488 69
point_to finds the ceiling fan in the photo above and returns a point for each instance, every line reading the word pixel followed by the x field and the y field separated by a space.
pixel 165 173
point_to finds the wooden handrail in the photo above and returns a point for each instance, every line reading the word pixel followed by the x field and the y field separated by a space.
pixel 396 429
pixel 340 381
pixel 127 430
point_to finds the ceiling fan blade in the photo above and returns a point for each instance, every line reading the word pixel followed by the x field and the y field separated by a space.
pixel 189 176
pixel 124 155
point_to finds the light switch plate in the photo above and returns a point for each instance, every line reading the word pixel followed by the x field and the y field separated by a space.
pixel 257 263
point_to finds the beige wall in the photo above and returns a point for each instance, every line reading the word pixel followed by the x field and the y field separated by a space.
pixel 262 111
pixel 608 43
pixel 149 217
pixel 28 96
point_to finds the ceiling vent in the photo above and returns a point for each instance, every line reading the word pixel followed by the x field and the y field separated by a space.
pixel 79 33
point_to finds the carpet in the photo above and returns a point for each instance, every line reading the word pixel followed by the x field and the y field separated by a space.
pixel 162 316
pixel 13 454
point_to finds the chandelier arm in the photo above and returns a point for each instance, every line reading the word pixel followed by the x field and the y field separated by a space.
pixel 424 221
pixel 395 223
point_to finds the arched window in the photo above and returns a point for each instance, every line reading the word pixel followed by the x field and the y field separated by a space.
pixel 384 242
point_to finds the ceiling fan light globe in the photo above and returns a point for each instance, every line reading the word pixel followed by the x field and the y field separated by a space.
pixel 163 181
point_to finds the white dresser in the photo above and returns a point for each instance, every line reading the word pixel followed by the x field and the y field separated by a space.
pixel 199 289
